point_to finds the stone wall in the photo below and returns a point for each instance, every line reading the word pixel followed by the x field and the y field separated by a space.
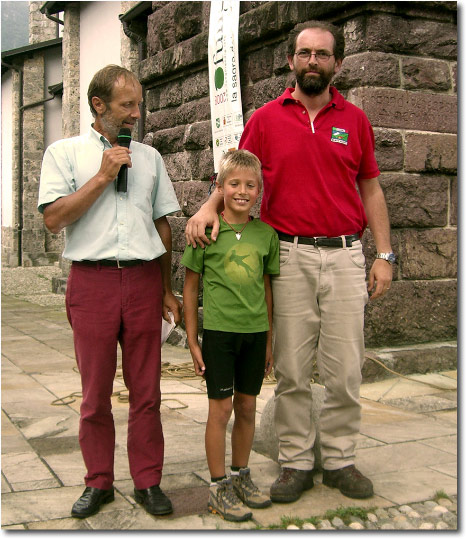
pixel 129 48
pixel 400 68
pixel 71 79
pixel 40 27
pixel 28 231
pixel 33 234
pixel 10 235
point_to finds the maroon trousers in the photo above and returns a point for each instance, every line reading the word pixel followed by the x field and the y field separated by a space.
pixel 107 305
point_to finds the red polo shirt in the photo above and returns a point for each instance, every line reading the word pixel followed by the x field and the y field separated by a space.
pixel 310 170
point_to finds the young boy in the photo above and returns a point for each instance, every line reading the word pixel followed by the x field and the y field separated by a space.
pixel 237 340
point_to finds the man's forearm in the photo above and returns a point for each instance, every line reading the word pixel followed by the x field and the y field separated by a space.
pixel 68 209
pixel 215 201
pixel 377 213
pixel 163 228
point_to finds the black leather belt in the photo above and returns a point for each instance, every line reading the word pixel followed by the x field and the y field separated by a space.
pixel 321 241
pixel 112 263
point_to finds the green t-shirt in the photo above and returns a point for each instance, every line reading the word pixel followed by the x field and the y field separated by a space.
pixel 233 276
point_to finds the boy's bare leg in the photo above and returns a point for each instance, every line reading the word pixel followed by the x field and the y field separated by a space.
pixel 242 435
pixel 219 415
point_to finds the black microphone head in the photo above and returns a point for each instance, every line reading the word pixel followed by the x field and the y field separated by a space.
pixel 124 137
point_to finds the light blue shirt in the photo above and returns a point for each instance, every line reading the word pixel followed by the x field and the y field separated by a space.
pixel 118 225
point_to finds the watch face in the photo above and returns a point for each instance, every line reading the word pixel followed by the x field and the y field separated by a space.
pixel 389 257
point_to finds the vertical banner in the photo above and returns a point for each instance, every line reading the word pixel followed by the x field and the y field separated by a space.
pixel 225 93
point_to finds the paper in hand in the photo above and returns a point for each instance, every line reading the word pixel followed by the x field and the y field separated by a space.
pixel 167 327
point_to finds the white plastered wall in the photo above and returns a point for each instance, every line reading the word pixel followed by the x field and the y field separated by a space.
pixel 7 150
pixel 53 109
pixel 100 30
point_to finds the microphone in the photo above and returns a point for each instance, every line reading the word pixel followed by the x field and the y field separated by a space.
pixel 124 139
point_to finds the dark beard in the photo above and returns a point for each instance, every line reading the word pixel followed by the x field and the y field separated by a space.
pixel 313 85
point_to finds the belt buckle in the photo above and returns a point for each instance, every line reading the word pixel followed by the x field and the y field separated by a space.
pixel 316 240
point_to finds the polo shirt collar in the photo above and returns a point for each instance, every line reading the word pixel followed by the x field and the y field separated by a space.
pixel 337 101
pixel 98 138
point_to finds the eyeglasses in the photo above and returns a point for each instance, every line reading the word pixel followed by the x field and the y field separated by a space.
pixel 305 55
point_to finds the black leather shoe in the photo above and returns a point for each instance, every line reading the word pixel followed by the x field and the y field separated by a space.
pixel 90 501
pixel 153 500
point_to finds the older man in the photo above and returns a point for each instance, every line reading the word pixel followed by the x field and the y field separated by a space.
pixel 119 242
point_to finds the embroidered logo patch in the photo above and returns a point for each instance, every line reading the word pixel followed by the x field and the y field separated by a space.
pixel 339 135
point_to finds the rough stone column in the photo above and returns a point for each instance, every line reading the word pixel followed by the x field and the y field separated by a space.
pixel 70 100
pixel 33 233
pixel 40 27
pixel 129 49
pixel 10 234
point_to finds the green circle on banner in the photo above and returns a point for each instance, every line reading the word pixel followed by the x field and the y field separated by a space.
pixel 219 78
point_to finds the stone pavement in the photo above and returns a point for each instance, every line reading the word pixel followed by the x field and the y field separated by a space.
pixel 407 445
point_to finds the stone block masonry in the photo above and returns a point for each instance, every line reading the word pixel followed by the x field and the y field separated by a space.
pixel 400 68
pixel 403 109
pixel 431 152
pixel 33 231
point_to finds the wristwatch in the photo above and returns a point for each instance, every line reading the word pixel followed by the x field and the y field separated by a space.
pixel 389 257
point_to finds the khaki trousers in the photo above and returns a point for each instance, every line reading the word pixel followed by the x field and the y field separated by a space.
pixel 319 299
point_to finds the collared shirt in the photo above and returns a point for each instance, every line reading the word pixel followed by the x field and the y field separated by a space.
pixel 118 225
pixel 310 169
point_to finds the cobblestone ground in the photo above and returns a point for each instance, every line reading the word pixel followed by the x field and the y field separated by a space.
pixel 429 515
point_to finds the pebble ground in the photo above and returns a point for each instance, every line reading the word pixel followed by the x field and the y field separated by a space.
pixel 429 515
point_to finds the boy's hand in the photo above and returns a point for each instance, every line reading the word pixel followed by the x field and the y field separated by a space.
pixel 199 367
pixel 268 364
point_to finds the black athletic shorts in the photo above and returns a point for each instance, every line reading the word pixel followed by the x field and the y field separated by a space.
pixel 233 361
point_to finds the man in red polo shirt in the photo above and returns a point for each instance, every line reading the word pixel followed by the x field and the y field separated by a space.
pixel 320 192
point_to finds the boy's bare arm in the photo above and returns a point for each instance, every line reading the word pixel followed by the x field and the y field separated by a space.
pixel 190 305
pixel 269 302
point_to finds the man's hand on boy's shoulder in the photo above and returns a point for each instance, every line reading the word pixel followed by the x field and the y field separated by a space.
pixel 204 240
pixel 197 230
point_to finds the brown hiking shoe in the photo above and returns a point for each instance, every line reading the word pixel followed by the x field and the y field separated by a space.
pixel 290 485
pixel 247 491
pixel 350 481
pixel 224 502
